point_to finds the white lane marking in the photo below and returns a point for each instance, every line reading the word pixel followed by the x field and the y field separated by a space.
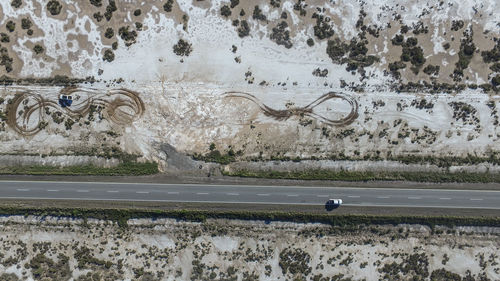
pixel 233 194
pixel 383 197
pixel 476 199
pixel 353 196
pixel 112 191
pixel 445 198
pixel 292 195
pixel 142 192
pixel 263 194
pixel 202 193
pixel 322 196
pixel 172 192
pixel 23 189
pixel 81 190
pixel 414 197
pixel 52 190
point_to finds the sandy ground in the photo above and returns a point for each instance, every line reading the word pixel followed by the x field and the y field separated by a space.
pixel 166 249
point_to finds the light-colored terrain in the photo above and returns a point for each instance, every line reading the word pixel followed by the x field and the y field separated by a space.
pixel 64 249
pixel 187 97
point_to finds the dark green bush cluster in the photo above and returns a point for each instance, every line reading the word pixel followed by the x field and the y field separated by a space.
pixel 444 275
pixel 38 49
pixel 216 156
pixel 97 3
pixel 420 28
pixel 492 55
pixel 275 3
pixel 11 26
pixel 320 73
pixel 109 33
pixel 109 56
pixel 300 6
pixel 182 48
pixel 5 59
pixel 295 262
pixel 244 29
pixel 4 38
pixel 462 110
pixel 167 7
pixel 431 69
pixel 110 9
pixel 457 24
pixel 26 23
pixel 137 12
pixel 54 7
pixel 225 11
pixel 16 3
pixel 258 15
pixel 495 81
pixel 415 265
pixel 467 48
pixel 86 259
pixel 281 35
pixel 127 35
pixel 310 42
pixel 323 28
pixel 234 3
pixel 355 52
pixel 98 16
pixel 44 268
pixel 422 104
pixel 413 53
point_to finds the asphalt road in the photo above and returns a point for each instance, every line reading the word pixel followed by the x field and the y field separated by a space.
pixel 379 197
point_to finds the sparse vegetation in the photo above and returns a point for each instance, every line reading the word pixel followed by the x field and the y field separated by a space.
pixel 16 3
pixel 281 35
pixel 11 26
pixel 109 56
pixel 167 7
pixel 38 49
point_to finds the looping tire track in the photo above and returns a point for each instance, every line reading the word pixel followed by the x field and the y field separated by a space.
pixel 113 101
pixel 307 110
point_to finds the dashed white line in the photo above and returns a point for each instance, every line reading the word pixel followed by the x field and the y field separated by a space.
pixel 263 194
pixel 445 198
pixel 476 199
pixel 233 194
pixel 112 191
pixel 81 190
pixel 292 195
pixel 23 189
pixel 172 192
pixel 353 196
pixel 322 196
pixel 202 193
pixel 414 197
pixel 52 190
pixel 383 197
pixel 142 192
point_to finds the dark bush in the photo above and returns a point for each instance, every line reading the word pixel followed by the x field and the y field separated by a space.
pixel 234 3
pixel 109 56
pixel 26 23
pixel 225 11
pixel 281 35
pixel 242 13
pixel 138 26
pixel 182 48
pixel 54 7
pixel 457 24
pixel 38 49
pixel 431 69
pixel 395 66
pixel 109 33
pixel 310 42
pixel 4 38
pixel 97 3
pixel 495 80
pixel 398 40
pixel 114 46
pixel 336 50
pixel 244 29
pixel 320 73
pixel 11 26
pixel 323 29
pixel 257 14
pixel 137 12
pixel 495 67
pixel 29 32
pixel 16 3
pixel 446 46
pixel 127 36
pixel 284 15
pixel 492 55
pixel 98 16
pixel 167 7
pixel 301 7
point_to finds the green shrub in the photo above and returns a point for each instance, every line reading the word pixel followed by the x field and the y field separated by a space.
pixel 109 56
pixel 182 48
pixel 16 3
pixel 310 42
pixel 38 49
pixel 495 80
pixel 26 23
pixel 137 12
pixel 234 3
pixel 54 7
pixel 109 33
pixel 281 35
pixel 11 26
pixel 4 38
pixel 225 11
pixel 257 14
pixel 167 7
pixel 97 3
pixel 244 29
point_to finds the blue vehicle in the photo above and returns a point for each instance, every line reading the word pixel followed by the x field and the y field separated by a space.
pixel 65 100
pixel 333 204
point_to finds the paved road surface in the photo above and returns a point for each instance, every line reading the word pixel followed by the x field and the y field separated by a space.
pixel 469 199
